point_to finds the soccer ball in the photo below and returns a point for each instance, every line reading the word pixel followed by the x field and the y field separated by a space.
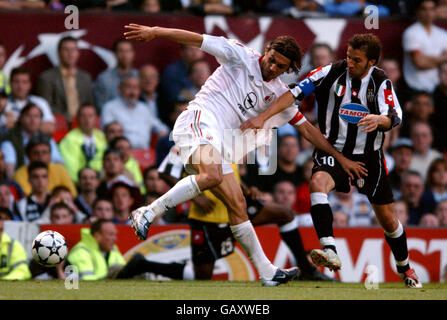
pixel 49 248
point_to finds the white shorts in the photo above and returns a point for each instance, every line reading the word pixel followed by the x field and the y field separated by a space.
pixel 194 128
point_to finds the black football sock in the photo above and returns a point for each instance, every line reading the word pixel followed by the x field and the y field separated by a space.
pixel 397 241
pixel 293 240
pixel 138 265
pixel 322 219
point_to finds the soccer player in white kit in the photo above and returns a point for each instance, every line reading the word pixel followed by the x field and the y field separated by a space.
pixel 242 87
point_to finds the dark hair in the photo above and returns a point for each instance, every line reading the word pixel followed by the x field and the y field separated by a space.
pixel 83 106
pixel 148 169
pixel 82 170
pixel 97 225
pixel 58 189
pixel 61 205
pixel 317 45
pixel 97 200
pixel 289 48
pixel 117 42
pixel 369 43
pixel 36 165
pixel 284 137
pixel 27 108
pixel 422 93
pixel 115 140
pixel 435 163
pixel 7 211
pixel 112 150
pixel 65 39
pixel 107 126
pixel 191 66
pixel 420 2
pixel 20 70
pixel 37 139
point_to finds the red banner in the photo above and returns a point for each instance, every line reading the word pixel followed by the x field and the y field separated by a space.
pixel 358 248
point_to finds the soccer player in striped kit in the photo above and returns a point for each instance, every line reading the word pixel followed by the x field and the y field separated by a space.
pixel 242 87
pixel 356 106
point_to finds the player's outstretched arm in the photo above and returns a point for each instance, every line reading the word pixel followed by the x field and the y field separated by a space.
pixel 314 136
pixel 280 104
pixel 144 33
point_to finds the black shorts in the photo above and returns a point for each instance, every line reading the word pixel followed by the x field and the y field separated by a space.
pixel 376 186
pixel 210 241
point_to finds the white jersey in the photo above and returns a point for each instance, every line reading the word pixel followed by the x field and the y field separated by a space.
pixel 236 92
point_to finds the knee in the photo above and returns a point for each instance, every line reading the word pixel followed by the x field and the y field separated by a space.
pixel 211 179
pixel 318 183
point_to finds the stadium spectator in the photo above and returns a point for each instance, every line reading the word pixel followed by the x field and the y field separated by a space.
pixel 440 102
pixel 4 81
pixel 113 171
pixel 436 184
pixel 88 183
pixel 14 264
pixel 150 6
pixel 219 7
pixel 112 130
pixel 175 77
pixel 355 205
pixel 423 154
pixel 412 188
pixel 32 207
pixel 107 83
pixel 61 194
pixel 15 190
pixel 149 81
pixel 125 199
pixel 287 169
pixel 7 201
pixel 441 213
pixel 402 153
pixel 341 219
pixel 26 128
pixel 66 87
pixel 429 220
pixel 7 119
pixel 441 10
pixel 97 257
pixel 136 119
pixel 102 208
pixel 425 47
pixel 6 214
pixel 130 163
pixel 153 182
pixel 21 85
pixel 22 5
pixel 402 213
pixel 61 213
pixel 83 146
pixel 392 69
pixel 302 203
pixel 39 149
pixel 420 108
pixel 352 7
pixel 198 72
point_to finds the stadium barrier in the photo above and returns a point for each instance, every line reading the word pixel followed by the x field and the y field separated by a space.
pixel 358 248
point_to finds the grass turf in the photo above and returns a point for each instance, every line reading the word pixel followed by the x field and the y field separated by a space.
pixel 213 290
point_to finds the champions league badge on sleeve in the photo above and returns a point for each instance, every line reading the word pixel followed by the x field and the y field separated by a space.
pixel 353 112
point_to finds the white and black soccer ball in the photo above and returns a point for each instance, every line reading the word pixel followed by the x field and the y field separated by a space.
pixel 49 248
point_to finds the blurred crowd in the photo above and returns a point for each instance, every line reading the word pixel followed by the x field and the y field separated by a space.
pixel 74 149
pixel 294 8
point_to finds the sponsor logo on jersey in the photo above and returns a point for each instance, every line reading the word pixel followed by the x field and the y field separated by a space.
pixel 353 112
pixel 250 100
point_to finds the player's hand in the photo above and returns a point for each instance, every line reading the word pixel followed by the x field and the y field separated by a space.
pixel 253 123
pixel 139 32
pixel 207 205
pixel 371 122
pixel 353 168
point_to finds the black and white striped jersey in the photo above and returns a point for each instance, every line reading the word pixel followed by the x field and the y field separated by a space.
pixel 334 89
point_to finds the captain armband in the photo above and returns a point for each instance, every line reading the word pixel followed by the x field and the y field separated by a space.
pixel 302 89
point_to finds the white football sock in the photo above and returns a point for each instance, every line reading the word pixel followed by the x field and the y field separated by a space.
pixel 245 234
pixel 184 190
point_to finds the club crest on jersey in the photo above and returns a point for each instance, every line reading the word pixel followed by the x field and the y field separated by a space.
pixel 360 183
pixel 353 112
pixel 370 95
pixel 269 97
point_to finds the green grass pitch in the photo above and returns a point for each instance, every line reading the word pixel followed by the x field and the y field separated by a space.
pixel 213 290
